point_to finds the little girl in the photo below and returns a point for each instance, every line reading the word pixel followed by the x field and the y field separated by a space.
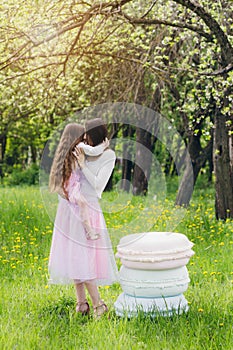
pixel 67 181
pixel 73 189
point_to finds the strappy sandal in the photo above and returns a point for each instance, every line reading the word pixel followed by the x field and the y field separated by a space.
pixel 100 310
pixel 83 308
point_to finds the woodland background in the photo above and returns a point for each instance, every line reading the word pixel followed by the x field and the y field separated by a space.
pixel 175 57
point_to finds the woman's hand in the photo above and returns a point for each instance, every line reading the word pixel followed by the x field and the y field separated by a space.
pixel 80 156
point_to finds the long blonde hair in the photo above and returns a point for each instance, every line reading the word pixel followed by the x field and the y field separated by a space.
pixel 64 160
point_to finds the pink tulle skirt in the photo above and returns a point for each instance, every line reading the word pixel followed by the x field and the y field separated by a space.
pixel 75 258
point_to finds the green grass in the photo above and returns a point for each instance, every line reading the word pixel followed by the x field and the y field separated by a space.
pixel 37 316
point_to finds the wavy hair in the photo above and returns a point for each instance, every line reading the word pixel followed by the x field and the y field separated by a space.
pixel 64 160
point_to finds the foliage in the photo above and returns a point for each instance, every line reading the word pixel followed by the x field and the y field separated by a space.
pixel 19 176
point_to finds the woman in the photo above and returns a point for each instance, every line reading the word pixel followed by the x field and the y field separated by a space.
pixel 73 258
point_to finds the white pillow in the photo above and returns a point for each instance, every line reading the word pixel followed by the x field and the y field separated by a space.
pixel 154 250
pixel 130 306
pixel 152 283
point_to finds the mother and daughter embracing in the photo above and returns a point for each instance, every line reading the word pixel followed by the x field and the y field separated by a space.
pixel 81 250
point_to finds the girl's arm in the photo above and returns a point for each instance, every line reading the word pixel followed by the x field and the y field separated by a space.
pixel 93 151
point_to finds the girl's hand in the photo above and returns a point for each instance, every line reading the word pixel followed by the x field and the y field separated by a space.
pixel 80 156
pixel 106 143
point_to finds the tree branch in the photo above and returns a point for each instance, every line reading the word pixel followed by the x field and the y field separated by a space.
pixel 144 21
pixel 32 70
pixel 72 47
pixel 93 11
pixel 222 71
pixel 150 8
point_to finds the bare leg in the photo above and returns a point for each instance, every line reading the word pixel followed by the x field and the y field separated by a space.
pixel 94 294
pixel 82 305
pixel 80 292
pixel 99 306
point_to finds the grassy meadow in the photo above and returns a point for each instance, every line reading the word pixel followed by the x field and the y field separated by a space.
pixel 35 315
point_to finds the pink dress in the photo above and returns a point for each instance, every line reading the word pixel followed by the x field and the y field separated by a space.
pixel 72 256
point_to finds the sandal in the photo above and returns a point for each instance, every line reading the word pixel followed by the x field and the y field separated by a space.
pixel 83 308
pixel 100 310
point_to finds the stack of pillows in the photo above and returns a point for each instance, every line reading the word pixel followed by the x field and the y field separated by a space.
pixel 153 274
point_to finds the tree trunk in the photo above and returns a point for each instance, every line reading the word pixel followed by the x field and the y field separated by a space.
pixel 2 152
pixel 186 186
pixel 198 157
pixel 112 135
pixel 127 164
pixel 145 143
pixel 222 169
pixel 143 162
pixel 33 154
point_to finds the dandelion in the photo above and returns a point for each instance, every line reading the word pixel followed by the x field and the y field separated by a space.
pixel 46 287
pixel 200 310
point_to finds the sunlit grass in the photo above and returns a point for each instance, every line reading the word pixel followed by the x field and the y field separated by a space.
pixel 37 316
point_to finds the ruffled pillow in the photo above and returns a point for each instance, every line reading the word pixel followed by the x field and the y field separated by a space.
pixel 155 250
